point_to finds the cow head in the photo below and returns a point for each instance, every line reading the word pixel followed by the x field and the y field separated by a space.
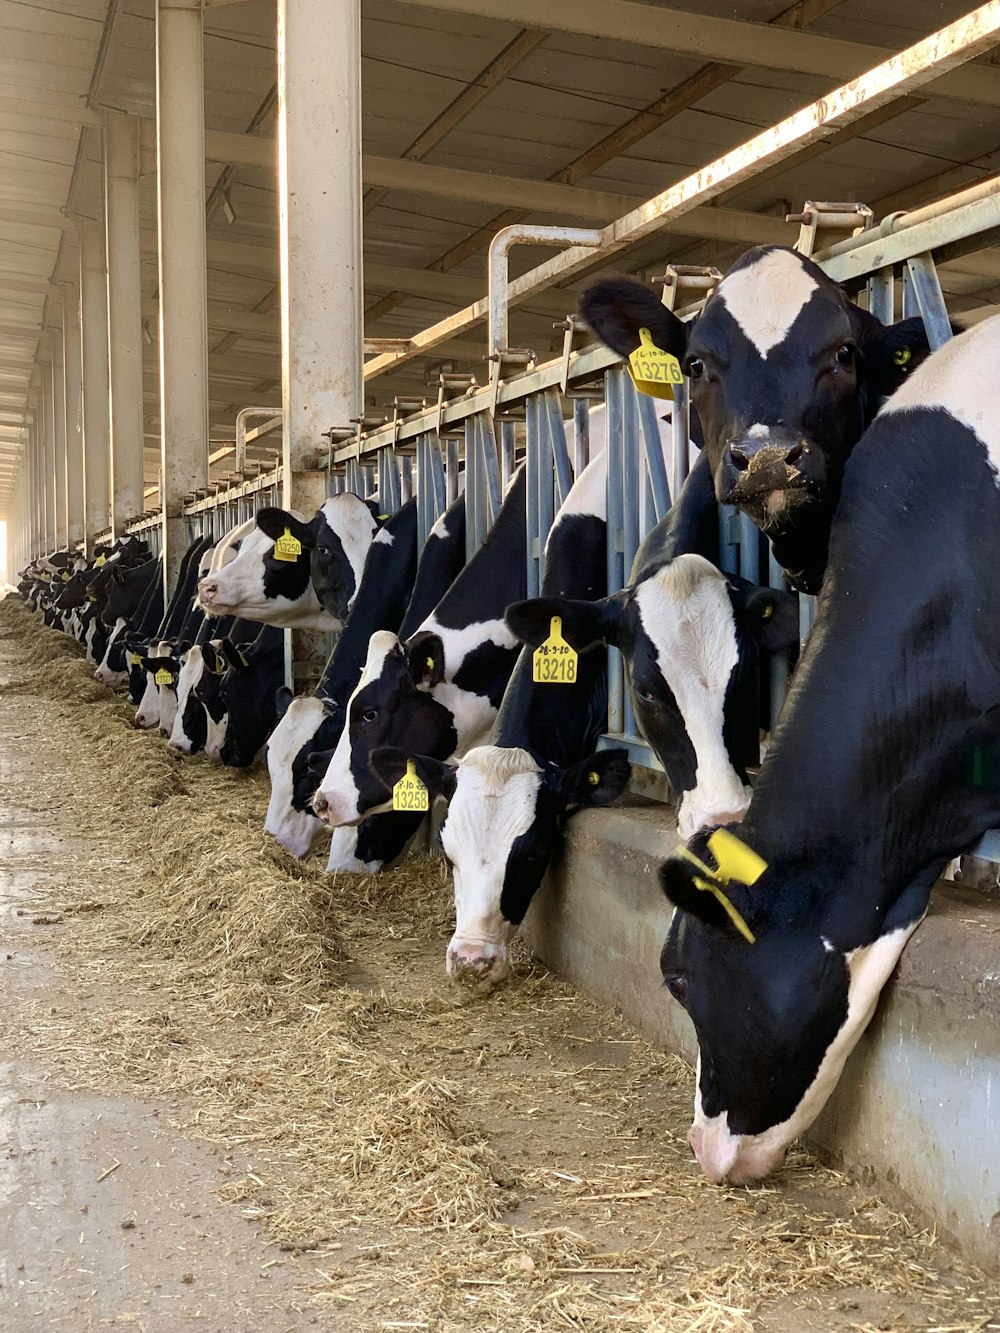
pixel 776 1003
pixel 784 373
pixel 505 816
pixel 301 731
pixel 208 693
pixel 247 693
pixel 391 706
pixel 336 540
pixel 256 585
pixel 690 638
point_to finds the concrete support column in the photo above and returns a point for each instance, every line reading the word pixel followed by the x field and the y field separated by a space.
pixel 180 190
pixel 121 211
pixel 94 337
pixel 59 438
pixel 48 458
pixel 319 218
pixel 73 392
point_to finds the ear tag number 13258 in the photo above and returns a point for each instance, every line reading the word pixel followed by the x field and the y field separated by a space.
pixel 653 370
pixel 287 547
pixel 410 793
pixel 554 661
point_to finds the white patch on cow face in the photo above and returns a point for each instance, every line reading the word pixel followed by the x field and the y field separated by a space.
pixel 743 1158
pixel 104 673
pixel 294 829
pixel 960 378
pixel 766 297
pixel 337 800
pixel 191 672
pixel 687 614
pixel 215 736
pixel 494 804
pixel 343 855
pixel 353 522
pixel 147 715
pixel 237 589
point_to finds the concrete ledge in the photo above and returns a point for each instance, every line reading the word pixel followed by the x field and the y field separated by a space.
pixel 914 1109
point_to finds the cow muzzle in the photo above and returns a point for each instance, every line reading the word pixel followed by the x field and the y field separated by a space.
pixel 766 472
pixel 731 1158
pixel 477 967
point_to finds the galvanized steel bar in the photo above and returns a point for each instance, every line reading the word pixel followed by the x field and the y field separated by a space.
pixel 656 468
pixel 930 299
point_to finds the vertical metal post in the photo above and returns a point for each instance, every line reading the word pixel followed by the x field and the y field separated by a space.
pixel 581 434
pixel 507 453
pixel 680 423
pixel 73 394
pixel 475 494
pixel 614 392
pixel 121 208
pixel 656 468
pixel 180 194
pixel 94 337
pixel 926 287
pixel 779 661
pixel 59 442
pixel 881 296
pixel 555 429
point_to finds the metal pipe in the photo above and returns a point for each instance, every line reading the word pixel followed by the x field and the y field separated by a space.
pixel 901 220
pixel 61 525
pixel 121 207
pixel 523 233
pixel 94 335
pixel 180 181
pixel 242 416
pixel 73 393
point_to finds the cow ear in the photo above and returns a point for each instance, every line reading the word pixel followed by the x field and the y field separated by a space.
pixel 274 522
pixel 184 646
pixel 584 624
pixel 319 761
pixel 890 353
pixel 617 308
pixel 425 655
pixel 597 780
pixel 769 615
pixel 390 765
pixel 235 654
pixel 282 698
pixel 678 879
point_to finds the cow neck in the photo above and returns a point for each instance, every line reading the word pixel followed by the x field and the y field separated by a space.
pixel 441 561
pixel 870 782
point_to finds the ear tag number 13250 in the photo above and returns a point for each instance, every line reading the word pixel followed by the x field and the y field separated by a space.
pixel 410 793
pixel 653 370
pixel 287 547
pixel 554 661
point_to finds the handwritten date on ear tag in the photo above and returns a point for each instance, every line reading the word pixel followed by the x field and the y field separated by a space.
pixel 410 793
pixel 653 370
pixel 287 547
pixel 554 661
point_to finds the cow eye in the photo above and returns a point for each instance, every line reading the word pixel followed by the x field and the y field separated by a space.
pixel 678 988
pixel 695 368
pixel 369 715
pixel 845 354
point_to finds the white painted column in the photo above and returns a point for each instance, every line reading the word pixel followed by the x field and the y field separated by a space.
pixel 59 440
pixel 73 392
pixel 319 209
pixel 48 457
pixel 94 337
pixel 121 211
pixel 180 192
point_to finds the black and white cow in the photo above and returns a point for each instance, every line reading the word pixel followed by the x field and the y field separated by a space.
pixel 785 373
pixel 691 638
pixel 438 692
pixel 884 767
pixel 337 539
pixel 508 800
pixel 256 585
pixel 247 691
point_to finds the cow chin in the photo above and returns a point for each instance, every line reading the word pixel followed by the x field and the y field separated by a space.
pixel 694 814
pixel 734 1159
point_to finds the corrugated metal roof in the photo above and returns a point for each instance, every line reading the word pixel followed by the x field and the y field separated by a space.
pixel 59 58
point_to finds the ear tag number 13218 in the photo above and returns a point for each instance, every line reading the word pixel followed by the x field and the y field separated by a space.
pixel 287 547
pixel 653 370
pixel 410 793
pixel 554 661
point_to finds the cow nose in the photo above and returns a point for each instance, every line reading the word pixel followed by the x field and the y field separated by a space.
pixel 740 457
pixel 320 804
pixel 207 591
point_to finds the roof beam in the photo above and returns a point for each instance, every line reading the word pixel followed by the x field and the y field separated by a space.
pixel 708 38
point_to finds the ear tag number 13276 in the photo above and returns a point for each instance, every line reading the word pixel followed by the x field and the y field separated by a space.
pixel 554 661
pixel 410 793
pixel 653 370
pixel 287 547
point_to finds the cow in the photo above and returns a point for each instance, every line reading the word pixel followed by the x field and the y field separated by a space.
pixel 337 538
pixel 208 694
pixel 508 800
pixel 258 584
pixel 884 766
pixel 247 692
pixel 785 373
pixel 691 638
pixel 437 692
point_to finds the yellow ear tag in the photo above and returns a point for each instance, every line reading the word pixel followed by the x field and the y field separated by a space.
pixel 653 370
pixel 594 779
pixel 736 861
pixel 66 577
pixel 410 793
pixel 134 659
pixel 554 661
pixel 101 560
pixel 164 677
pixel 287 547
pixel 768 611
pixel 902 357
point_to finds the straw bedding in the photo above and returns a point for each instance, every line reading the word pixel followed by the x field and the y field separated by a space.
pixel 517 1162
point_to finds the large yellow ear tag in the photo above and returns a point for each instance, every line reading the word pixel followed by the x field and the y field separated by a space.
pixel 735 861
pixel 101 560
pixel 164 676
pixel 287 547
pixel 410 793
pixel 554 661
pixel 653 370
